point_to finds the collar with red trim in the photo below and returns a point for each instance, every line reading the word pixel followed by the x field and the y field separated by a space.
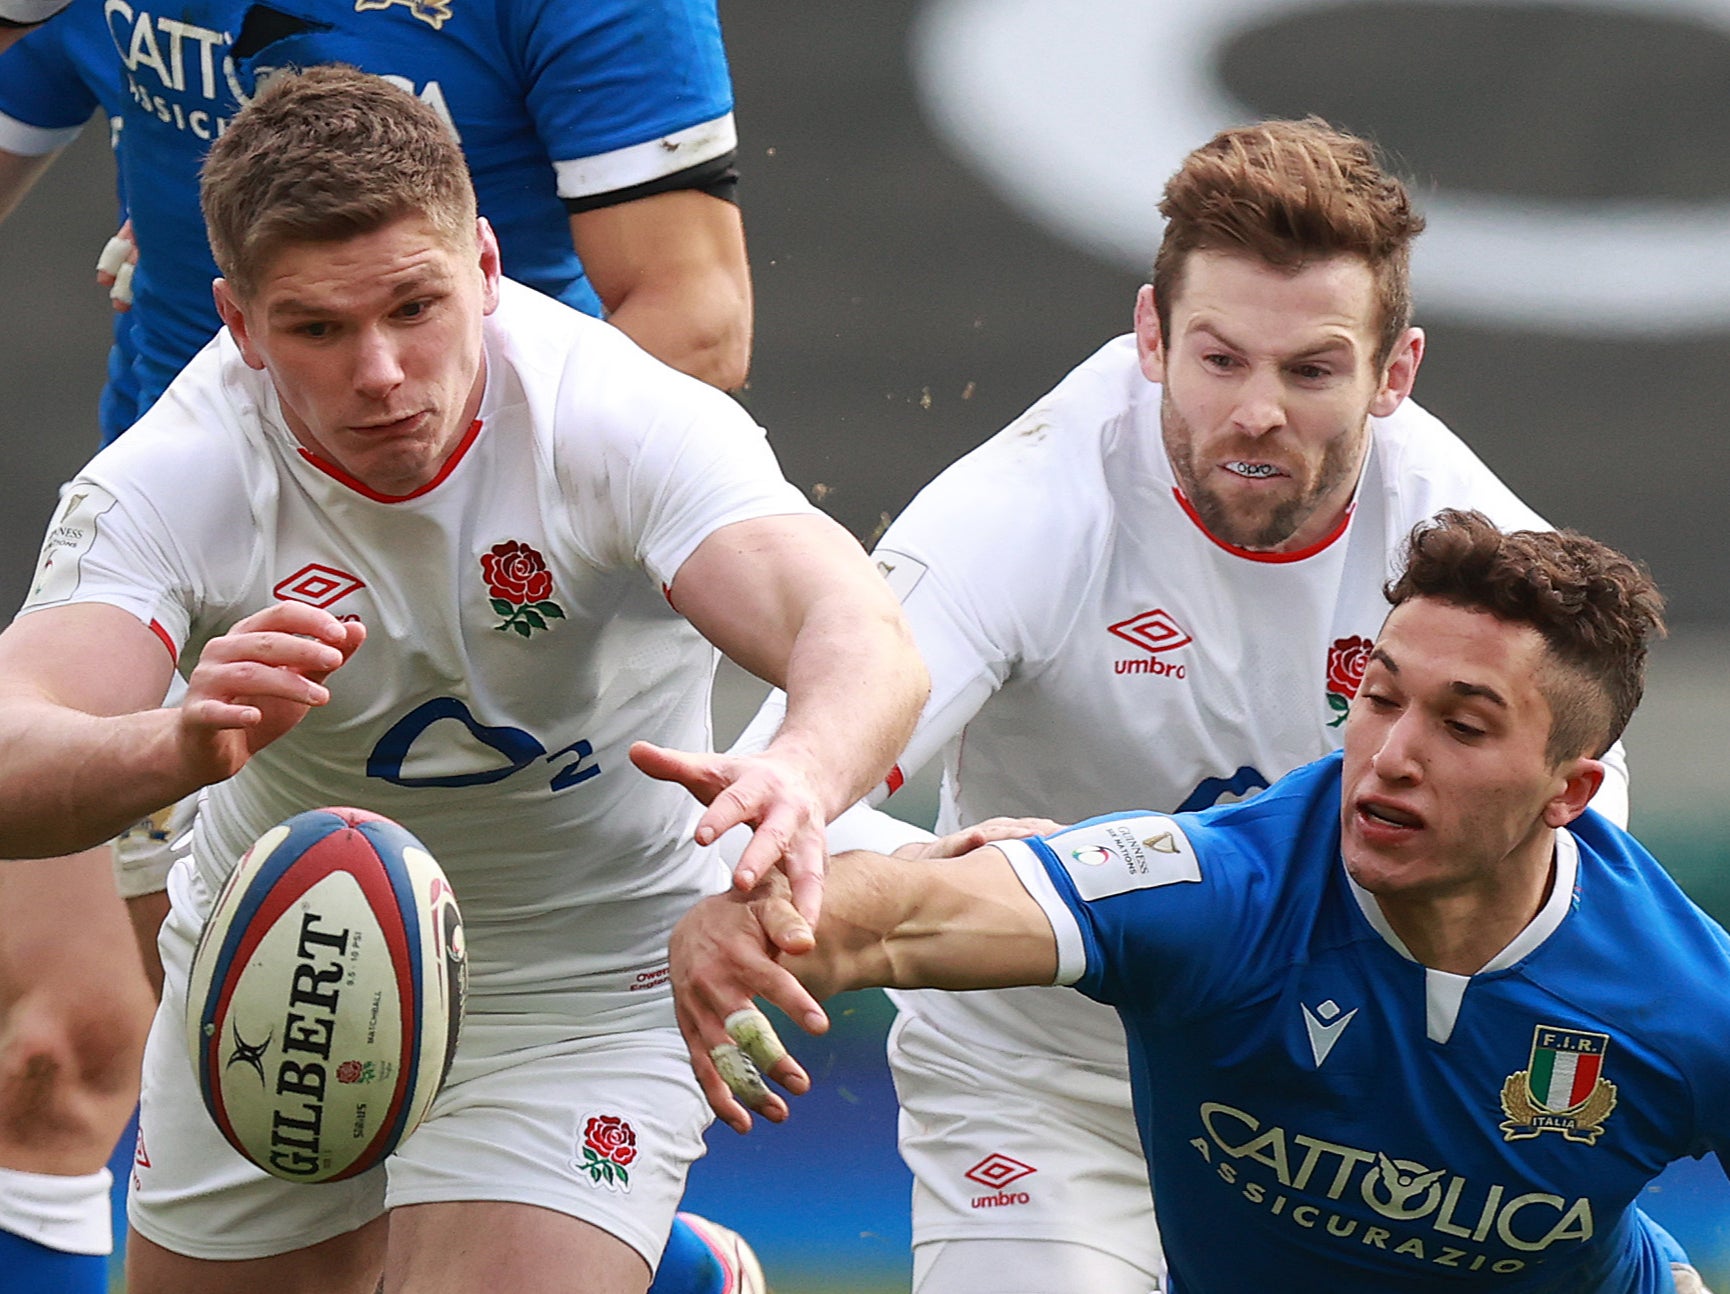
pixel 1254 555
pixel 360 487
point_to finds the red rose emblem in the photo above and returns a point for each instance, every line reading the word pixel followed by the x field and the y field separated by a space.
pixel 516 573
pixel 611 1138
pixel 1347 660
pixel 348 1072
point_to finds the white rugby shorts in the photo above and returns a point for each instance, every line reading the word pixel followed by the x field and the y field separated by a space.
pixel 1020 1147
pixel 146 851
pixel 603 1128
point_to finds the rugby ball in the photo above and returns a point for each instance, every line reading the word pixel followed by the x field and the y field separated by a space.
pixel 326 994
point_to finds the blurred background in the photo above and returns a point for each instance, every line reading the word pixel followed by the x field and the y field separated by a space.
pixel 951 202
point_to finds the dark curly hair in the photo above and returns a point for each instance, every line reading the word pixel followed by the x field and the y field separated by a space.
pixel 1596 609
pixel 1290 193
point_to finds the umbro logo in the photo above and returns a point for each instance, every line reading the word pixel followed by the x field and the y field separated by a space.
pixel 1153 631
pixel 1324 1025
pixel 998 1170
pixel 318 586
pixel 995 1172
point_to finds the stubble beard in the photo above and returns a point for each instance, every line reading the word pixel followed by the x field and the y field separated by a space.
pixel 1259 529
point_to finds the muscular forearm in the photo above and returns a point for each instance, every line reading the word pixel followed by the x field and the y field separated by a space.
pixel 890 922
pixel 962 923
pixel 73 780
pixel 855 684
pixel 86 750
pixel 793 599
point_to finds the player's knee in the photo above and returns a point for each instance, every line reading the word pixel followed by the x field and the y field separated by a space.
pixel 106 1039
pixel 69 1068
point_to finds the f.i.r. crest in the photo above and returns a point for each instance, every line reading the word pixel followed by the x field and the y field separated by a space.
pixel 1562 1089
pixel 435 12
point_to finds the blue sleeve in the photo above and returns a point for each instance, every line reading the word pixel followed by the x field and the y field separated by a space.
pixel 1635 902
pixel 40 85
pixel 1158 906
pixel 625 92
pixel 1179 912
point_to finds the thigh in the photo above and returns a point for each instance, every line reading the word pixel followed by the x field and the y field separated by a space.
pixel 58 913
pixel 1023 1267
pixel 345 1264
pixel 598 1129
pixel 459 1247
pixel 1020 1148
pixel 192 1193
pixel 64 933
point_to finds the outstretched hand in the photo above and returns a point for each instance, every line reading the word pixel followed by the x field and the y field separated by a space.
pixel 258 680
pixel 723 954
pixel 767 791
pixel 980 834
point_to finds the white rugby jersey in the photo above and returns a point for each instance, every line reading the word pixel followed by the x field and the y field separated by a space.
pixel 518 634
pixel 1092 647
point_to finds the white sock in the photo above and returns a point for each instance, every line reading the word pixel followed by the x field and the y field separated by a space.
pixel 71 1214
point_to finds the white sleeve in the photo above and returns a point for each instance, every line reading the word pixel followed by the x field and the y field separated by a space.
pixel 965 671
pixel 653 461
pixel 763 726
pixel 966 658
pixel 863 827
pixel 689 485
pixel 100 548
pixel 25 13
pixel 1030 871
pixel 957 569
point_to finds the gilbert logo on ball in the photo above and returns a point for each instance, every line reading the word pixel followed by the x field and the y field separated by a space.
pixel 326 994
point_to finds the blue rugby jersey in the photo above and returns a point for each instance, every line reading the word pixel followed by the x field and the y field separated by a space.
pixel 50 84
pixel 1323 1113
pixel 557 105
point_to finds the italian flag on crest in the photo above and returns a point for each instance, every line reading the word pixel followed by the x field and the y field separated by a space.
pixel 1563 1079
pixel 1562 1089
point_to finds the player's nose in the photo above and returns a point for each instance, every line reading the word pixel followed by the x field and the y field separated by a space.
pixel 377 366
pixel 1260 406
pixel 1396 757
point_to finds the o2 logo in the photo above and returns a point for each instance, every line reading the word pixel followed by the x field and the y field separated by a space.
pixel 1241 785
pixel 1079 113
pixel 516 749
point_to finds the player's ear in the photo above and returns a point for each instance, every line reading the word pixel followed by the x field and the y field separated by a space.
pixel 233 313
pixel 1149 343
pixel 1581 779
pixel 1400 373
pixel 490 264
